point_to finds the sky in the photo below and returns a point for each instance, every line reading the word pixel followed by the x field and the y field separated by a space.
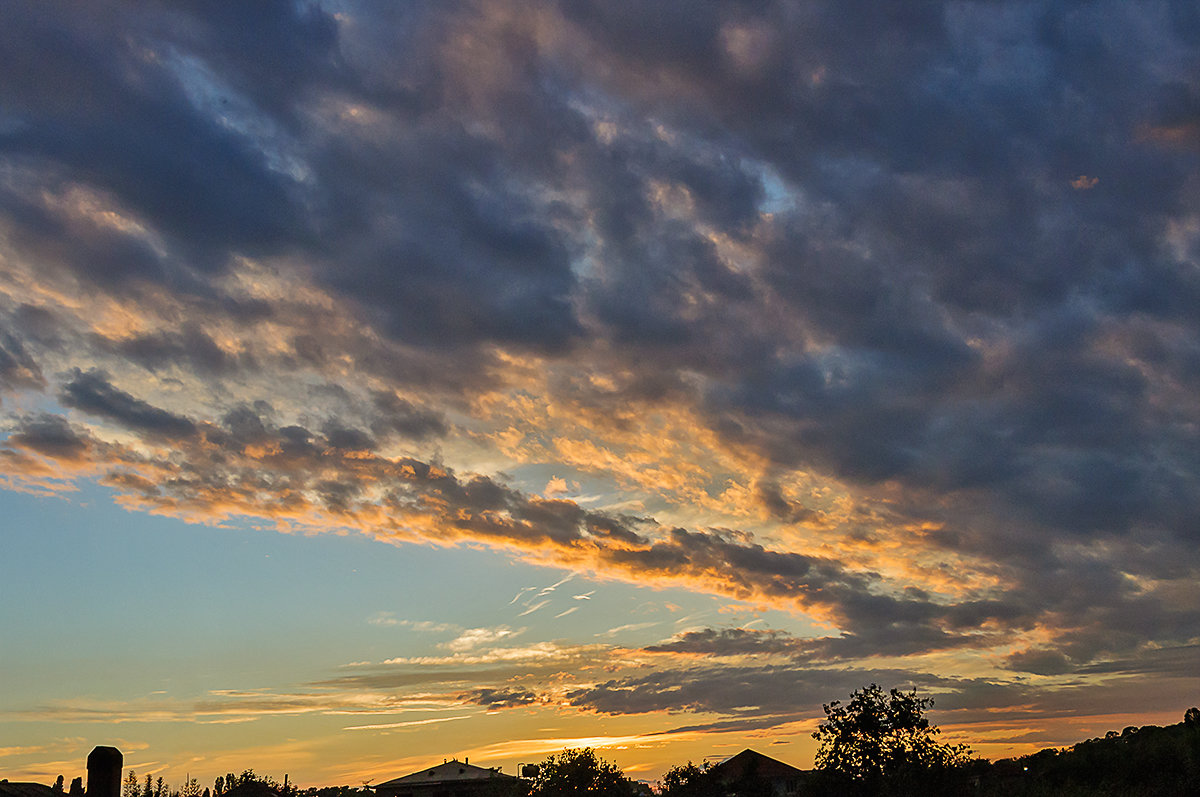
pixel 388 382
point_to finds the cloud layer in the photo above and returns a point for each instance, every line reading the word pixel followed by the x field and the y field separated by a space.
pixel 887 317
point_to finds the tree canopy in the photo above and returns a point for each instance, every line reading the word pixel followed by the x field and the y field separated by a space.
pixel 580 773
pixel 880 735
pixel 690 780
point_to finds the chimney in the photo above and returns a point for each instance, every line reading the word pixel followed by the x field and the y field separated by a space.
pixel 104 772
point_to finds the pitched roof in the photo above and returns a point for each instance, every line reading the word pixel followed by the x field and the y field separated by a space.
pixel 751 761
pixel 19 789
pixel 447 771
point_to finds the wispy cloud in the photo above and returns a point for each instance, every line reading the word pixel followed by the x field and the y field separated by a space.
pixel 409 724
pixel 478 637
pixel 524 591
pixel 556 585
pixel 621 629
pixel 534 607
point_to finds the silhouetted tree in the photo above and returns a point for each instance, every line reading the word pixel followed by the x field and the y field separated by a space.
pixel 580 773
pixel 148 789
pixel 689 780
pixel 130 786
pixel 76 788
pixel 880 736
pixel 58 785
pixel 1191 717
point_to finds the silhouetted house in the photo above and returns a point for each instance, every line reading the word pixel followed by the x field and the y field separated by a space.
pixel 104 778
pixel 19 789
pixel 752 774
pixel 452 778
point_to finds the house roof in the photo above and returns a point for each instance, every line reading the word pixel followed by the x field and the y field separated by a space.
pixel 19 789
pixel 446 772
pixel 751 761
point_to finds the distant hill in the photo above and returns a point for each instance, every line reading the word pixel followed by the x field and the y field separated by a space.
pixel 1150 761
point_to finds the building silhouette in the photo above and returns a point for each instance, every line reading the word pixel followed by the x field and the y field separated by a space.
pixel 451 778
pixel 752 774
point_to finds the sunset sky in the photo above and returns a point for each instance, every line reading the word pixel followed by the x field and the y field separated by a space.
pixel 387 382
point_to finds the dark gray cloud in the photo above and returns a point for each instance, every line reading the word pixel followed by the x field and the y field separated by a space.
pixel 780 507
pixel 947 214
pixel 346 437
pixel 757 697
pixel 402 417
pixel 125 123
pixel 1173 661
pixel 501 698
pixel 17 366
pixel 886 637
pixel 52 436
pixel 190 348
pixel 727 642
pixel 92 392
pixel 750 691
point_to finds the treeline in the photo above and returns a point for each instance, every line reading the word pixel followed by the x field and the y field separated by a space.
pixel 1146 761
pixel 879 744
pixel 132 786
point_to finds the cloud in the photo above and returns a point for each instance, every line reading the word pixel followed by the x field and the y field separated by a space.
pixel 501 698
pixel 893 326
pixel 612 632
pixel 755 691
pixel 22 750
pixel 727 642
pixel 408 724
pixel 479 637
pixel 17 366
pixel 521 593
pixel 191 348
pixel 229 706
pixel 400 416
pixel 93 393
pixel 533 608
pixel 52 436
